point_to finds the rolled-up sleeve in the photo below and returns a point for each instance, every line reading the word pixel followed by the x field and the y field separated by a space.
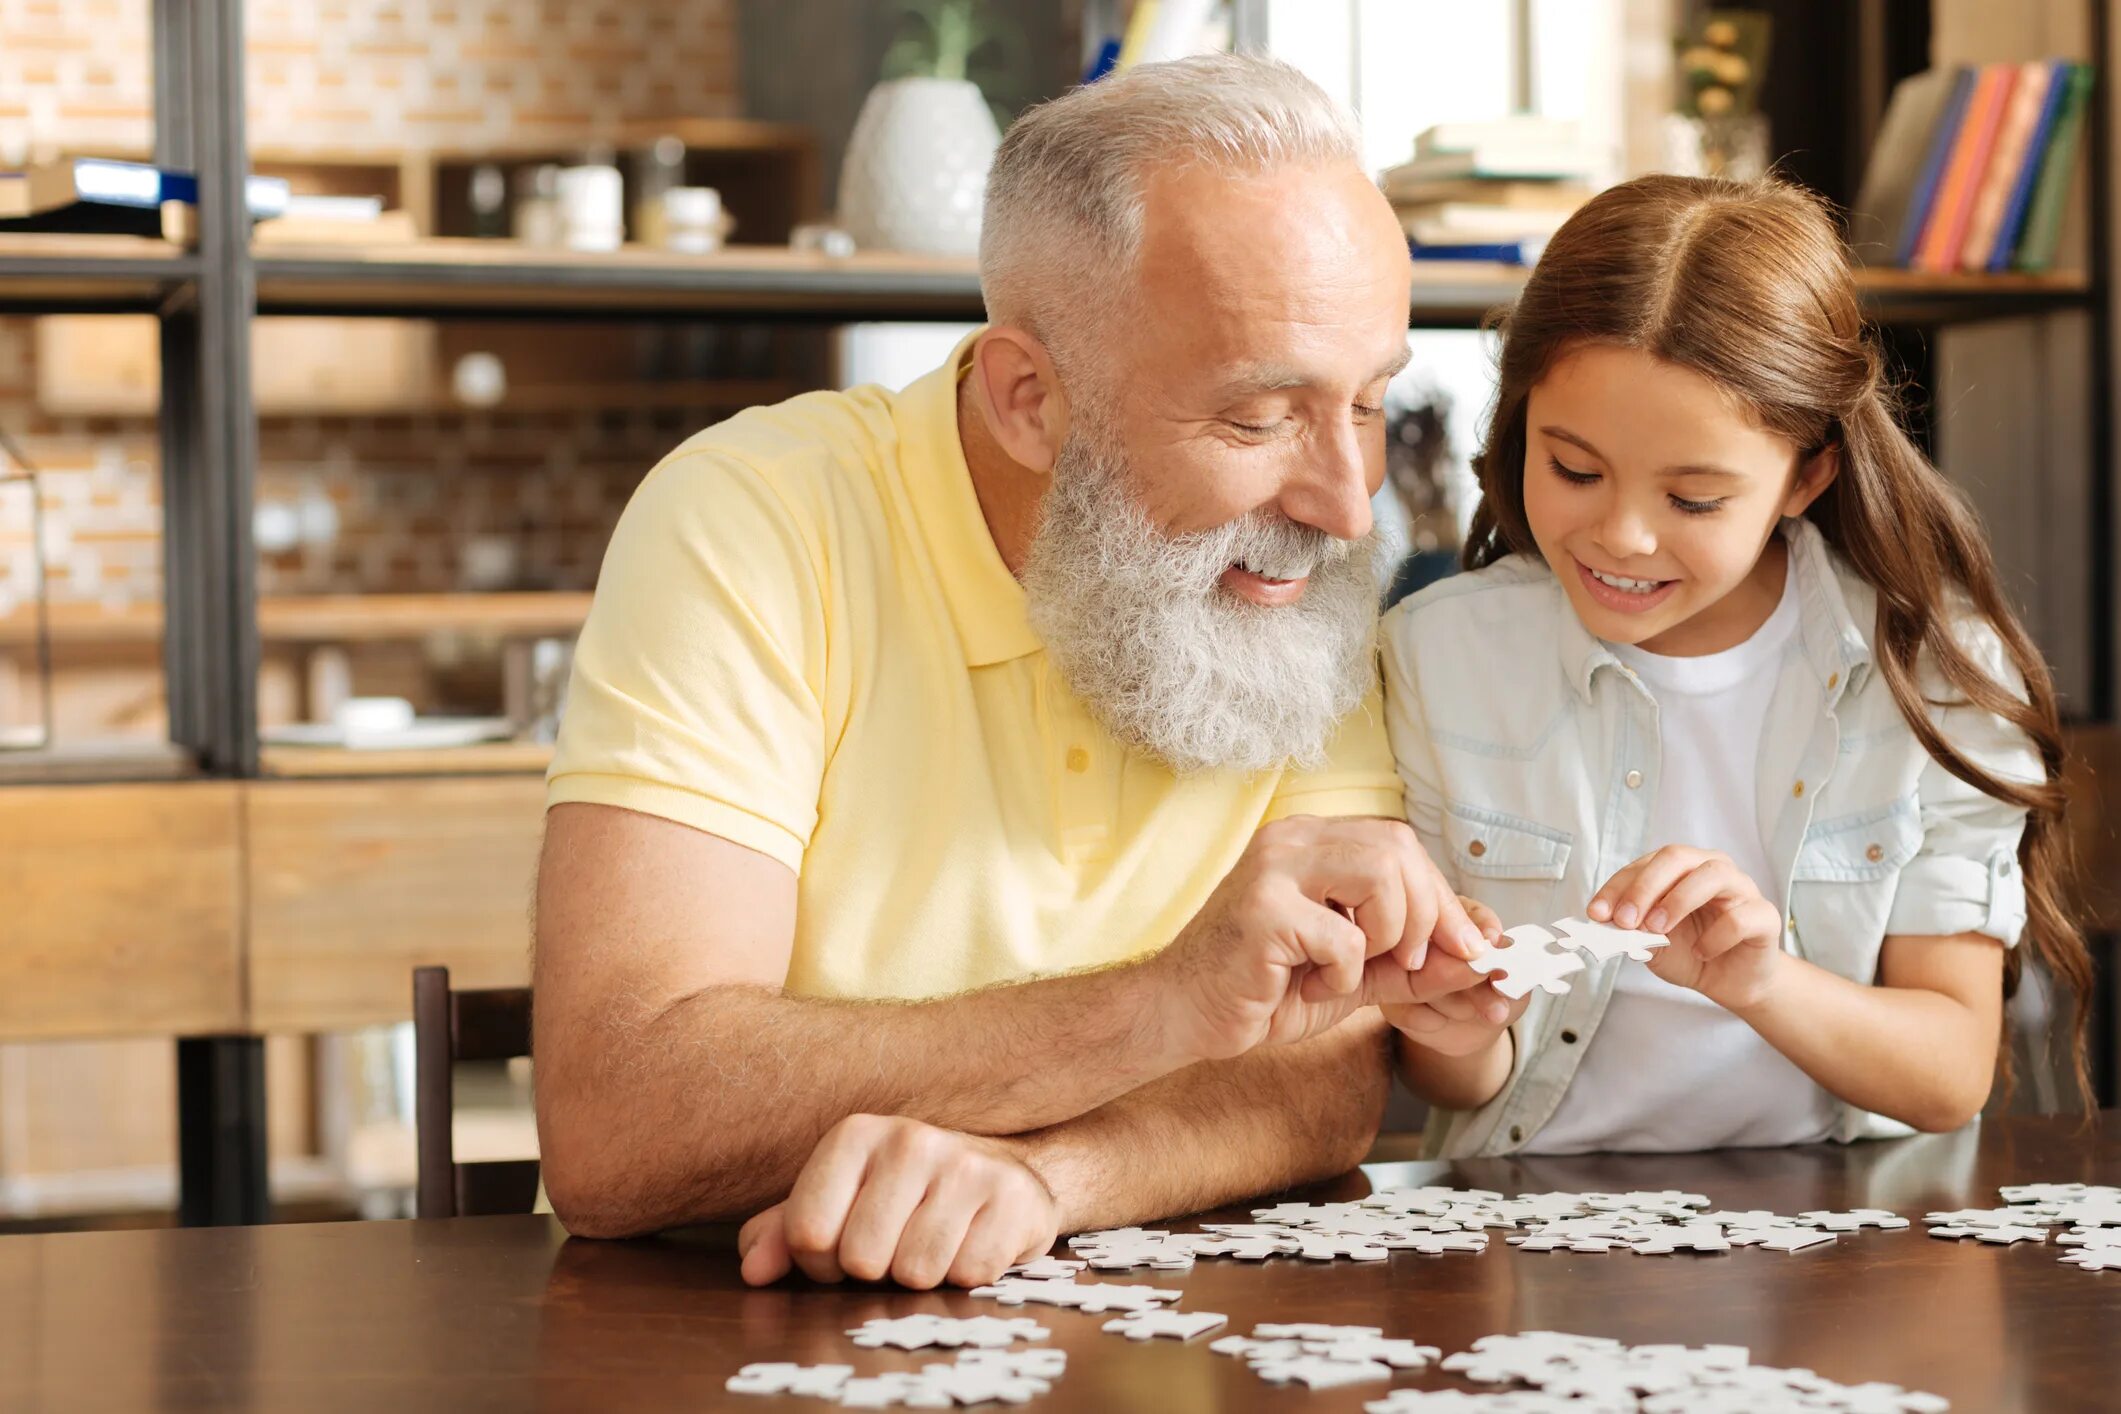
pixel 1966 876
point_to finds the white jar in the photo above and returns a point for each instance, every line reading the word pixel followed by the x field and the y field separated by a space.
pixel 592 208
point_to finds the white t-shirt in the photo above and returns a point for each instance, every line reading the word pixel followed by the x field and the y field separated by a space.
pixel 1668 1069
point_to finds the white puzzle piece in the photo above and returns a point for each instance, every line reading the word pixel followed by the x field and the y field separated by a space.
pixel 1600 941
pixel 810 1381
pixel 1091 1298
pixel 1173 1325
pixel 1527 958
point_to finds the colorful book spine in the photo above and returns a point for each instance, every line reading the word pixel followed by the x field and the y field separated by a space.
pixel 2010 156
pixel 1942 141
pixel 2060 76
pixel 2043 221
pixel 1977 137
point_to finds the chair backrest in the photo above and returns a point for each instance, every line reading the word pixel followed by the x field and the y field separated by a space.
pixel 483 1025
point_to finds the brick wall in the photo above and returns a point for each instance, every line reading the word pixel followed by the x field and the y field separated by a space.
pixel 329 76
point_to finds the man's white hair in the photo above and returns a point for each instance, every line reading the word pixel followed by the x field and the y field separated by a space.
pixel 1063 219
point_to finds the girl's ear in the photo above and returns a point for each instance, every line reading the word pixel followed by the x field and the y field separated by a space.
pixel 1813 477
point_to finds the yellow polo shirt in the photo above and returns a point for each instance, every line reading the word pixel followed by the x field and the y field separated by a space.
pixel 805 641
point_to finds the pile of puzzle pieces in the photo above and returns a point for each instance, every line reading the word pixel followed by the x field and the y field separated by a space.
pixel 1577 1374
pixel 2090 1212
pixel 1436 1220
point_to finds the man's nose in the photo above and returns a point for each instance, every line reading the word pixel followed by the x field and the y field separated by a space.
pixel 1331 492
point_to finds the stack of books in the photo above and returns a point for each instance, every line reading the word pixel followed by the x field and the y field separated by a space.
pixel 102 196
pixel 1490 191
pixel 1973 167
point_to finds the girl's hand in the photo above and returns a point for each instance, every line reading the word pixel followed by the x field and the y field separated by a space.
pixel 1461 1023
pixel 1726 938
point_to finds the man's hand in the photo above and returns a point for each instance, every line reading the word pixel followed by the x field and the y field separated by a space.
pixel 1318 918
pixel 895 1197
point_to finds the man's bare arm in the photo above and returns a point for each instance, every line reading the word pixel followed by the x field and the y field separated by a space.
pixel 676 1084
pixel 886 1196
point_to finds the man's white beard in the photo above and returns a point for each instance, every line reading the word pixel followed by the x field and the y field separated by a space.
pixel 1167 660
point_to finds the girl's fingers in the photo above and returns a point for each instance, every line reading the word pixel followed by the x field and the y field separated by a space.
pixel 1714 878
pixel 1747 921
pixel 1651 882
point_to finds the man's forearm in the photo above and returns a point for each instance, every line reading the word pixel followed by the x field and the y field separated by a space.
pixel 1219 1131
pixel 709 1108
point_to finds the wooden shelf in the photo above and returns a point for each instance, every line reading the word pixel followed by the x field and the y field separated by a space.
pixel 42 273
pixel 439 276
pixel 89 762
pixel 327 618
pixel 488 759
pixel 444 275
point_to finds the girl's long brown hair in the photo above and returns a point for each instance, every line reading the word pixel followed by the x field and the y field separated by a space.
pixel 1748 283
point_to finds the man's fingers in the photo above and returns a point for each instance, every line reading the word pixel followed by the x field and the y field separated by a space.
pixel 1334 946
pixel 1455 929
pixel 990 1244
pixel 763 1244
pixel 928 1246
pixel 894 1187
pixel 817 1206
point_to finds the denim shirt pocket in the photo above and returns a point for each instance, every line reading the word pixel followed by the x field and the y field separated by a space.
pixel 1842 888
pixel 1514 866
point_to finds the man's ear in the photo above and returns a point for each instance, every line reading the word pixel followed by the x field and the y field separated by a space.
pixel 1813 477
pixel 1020 397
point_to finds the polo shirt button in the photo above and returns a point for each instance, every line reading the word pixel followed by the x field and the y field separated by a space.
pixel 1078 760
pixel 1874 853
pixel 1634 779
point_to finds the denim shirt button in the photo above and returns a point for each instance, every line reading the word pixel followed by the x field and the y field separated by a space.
pixel 1568 1038
pixel 1517 1134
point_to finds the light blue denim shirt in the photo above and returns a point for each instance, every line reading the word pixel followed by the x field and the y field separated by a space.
pixel 1529 755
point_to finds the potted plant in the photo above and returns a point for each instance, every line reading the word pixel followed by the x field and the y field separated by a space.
pixel 1719 130
pixel 915 172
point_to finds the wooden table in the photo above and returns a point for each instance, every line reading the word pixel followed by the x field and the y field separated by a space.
pixel 507 1313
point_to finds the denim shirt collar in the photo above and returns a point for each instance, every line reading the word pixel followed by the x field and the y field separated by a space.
pixel 1836 645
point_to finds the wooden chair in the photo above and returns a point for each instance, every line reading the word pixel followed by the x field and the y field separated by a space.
pixel 448 1027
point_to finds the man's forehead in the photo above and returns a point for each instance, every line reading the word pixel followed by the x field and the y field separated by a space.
pixel 1276 373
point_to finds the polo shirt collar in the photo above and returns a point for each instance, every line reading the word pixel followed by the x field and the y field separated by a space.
pixel 987 604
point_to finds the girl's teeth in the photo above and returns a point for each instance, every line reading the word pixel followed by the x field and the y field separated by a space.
pixel 1631 586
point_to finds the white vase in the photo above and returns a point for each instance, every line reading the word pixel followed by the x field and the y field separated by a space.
pixel 915 172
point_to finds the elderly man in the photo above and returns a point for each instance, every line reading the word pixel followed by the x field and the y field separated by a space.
pixel 972 820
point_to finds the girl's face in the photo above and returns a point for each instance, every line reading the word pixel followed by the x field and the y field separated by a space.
pixel 1654 497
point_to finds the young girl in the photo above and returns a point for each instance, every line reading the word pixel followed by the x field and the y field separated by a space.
pixel 1730 665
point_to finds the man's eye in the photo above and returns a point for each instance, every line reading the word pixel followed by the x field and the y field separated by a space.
pixel 1251 429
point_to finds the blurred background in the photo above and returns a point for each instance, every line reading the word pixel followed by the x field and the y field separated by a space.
pixel 335 335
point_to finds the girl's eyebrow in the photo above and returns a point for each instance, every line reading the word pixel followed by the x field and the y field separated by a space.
pixel 1562 434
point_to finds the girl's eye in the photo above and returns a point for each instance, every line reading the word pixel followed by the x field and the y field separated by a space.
pixel 1574 478
pixel 1696 508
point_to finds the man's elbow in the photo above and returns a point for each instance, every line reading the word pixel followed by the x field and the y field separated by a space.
pixel 588 1194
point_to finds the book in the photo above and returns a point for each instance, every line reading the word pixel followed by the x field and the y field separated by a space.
pixel 1522 196
pixel 1946 230
pixel 1943 139
pixel 1898 159
pixel 2043 219
pixel 1517 130
pixel 2028 96
pixel 101 196
pixel 1445 223
pixel 1524 252
pixel 1511 162
pixel 2021 197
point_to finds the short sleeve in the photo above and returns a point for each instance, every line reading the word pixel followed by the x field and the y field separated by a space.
pixel 697 686
pixel 1965 877
pixel 1413 754
pixel 1357 776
